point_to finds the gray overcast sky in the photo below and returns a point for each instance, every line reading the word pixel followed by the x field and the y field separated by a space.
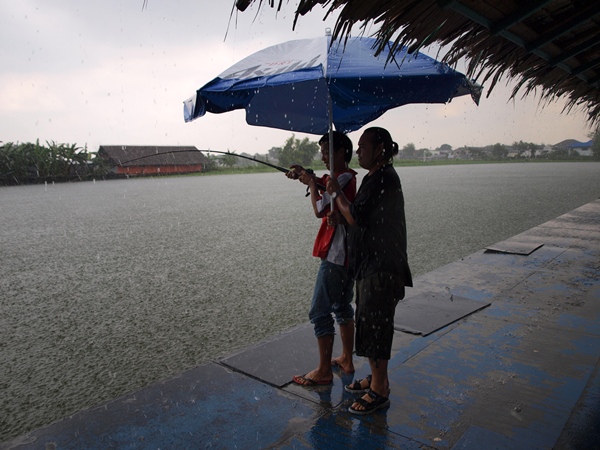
pixel 109 72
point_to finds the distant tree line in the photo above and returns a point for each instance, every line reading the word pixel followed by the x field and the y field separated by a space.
pixel 501 151
pixel 24 163
pixel 295 151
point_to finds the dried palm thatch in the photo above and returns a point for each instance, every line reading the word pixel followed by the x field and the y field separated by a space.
pixel 548 45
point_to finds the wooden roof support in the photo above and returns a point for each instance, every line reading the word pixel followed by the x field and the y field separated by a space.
pixel 518 16
pixel 585 16
pixel 590 65
pixel 594 40
pixel 533 48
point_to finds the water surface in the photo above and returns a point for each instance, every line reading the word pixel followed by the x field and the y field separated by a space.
pixel 109 286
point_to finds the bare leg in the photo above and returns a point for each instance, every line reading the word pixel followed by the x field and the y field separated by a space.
pixel 323 372
pixel 380 383
pixel 345 361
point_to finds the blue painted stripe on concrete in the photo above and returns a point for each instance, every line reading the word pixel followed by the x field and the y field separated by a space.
pixel 206 407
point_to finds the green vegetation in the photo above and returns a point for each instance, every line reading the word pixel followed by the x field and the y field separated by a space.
pixel 295 151
pixel 35 163
pixel 595 136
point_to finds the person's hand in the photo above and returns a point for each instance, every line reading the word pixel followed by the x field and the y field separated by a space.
pixel 334 218
pixel 294 172
pixel 308 178
pixel 332 186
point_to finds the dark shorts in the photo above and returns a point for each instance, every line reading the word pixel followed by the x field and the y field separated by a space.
pixel 376 298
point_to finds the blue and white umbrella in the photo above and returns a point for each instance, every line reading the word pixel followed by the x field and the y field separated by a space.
pixel 307 85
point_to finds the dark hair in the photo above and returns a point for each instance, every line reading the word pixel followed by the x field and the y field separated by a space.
pixel 382 136
pixel 340 140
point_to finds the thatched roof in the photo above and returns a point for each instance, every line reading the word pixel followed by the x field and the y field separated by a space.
pixel 552 46
pixel 151 155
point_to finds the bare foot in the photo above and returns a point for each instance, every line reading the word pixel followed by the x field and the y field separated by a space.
pixel 346 366
pixel 313 378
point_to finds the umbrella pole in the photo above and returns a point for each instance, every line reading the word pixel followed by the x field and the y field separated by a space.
pixel 330 116
pixel 331 149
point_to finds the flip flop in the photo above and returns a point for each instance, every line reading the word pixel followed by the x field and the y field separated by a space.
pixel 356 388
pixel 337 366
pixel 303 380
pixel 377 402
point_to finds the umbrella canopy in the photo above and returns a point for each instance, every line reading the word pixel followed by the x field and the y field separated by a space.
pixel 289 86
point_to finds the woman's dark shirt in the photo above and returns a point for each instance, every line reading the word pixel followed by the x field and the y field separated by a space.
pixel 377 242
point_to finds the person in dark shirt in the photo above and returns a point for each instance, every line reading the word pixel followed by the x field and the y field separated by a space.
pixel 378 261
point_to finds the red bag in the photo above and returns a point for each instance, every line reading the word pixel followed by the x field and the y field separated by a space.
pixel 326 233
pixel 323 240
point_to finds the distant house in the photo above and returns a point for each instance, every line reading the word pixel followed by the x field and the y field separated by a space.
pixel 583 148
pixel 152 159
pixel 565 145
pixel 439 154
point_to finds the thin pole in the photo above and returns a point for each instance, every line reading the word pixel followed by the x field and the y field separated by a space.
pixel 331 149
pixel 329 112
pixel 281 169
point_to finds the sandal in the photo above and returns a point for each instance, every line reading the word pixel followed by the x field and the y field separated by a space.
pixel 356 386
pixel 377 402
pixel 303 380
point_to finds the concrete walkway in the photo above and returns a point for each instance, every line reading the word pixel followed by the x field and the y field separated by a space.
pixel 518 369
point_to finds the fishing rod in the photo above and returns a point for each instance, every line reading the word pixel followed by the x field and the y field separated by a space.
pixel 281 169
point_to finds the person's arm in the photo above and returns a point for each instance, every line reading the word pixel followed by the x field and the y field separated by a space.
pixel 308 178
pixel 311 181
pixel 342 202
